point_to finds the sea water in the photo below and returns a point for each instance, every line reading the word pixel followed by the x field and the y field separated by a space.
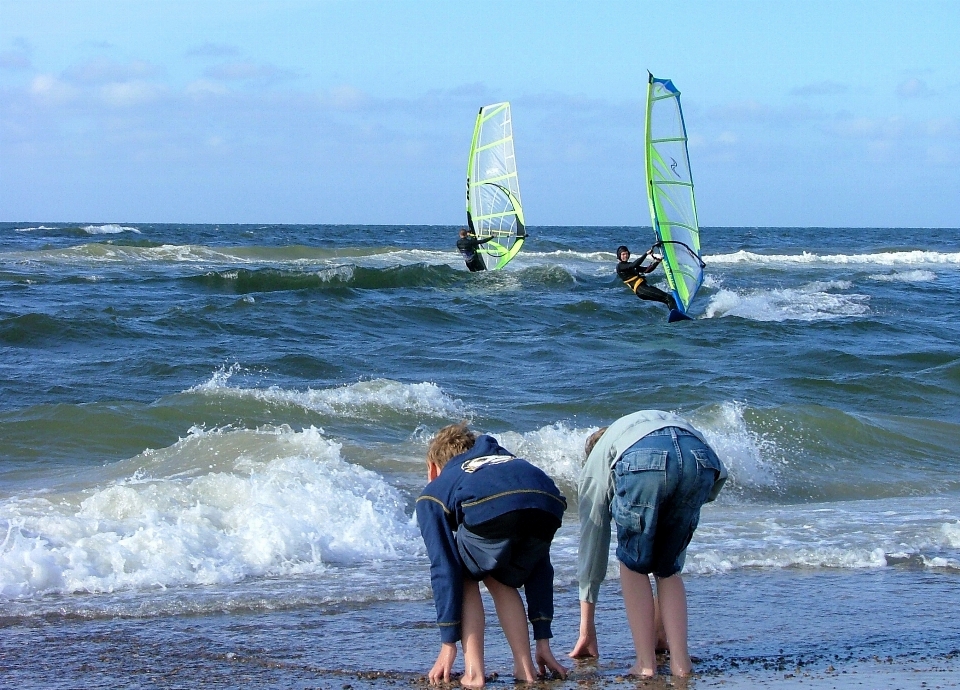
pixel 212 437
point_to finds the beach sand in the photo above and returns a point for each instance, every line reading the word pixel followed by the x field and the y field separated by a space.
pixel 889 628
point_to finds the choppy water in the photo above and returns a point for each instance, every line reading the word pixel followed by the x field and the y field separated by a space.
pixel 198 419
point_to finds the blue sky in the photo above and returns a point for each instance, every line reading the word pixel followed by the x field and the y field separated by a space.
pixel 799 112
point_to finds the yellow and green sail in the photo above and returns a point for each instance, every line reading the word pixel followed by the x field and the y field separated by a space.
pixel 673 210
pixel 493 189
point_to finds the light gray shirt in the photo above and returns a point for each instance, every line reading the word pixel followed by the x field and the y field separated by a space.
pixel 596 491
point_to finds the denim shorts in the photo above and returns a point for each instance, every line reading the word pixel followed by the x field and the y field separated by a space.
pixel 660 483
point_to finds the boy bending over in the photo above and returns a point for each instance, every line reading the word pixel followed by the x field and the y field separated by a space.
pixel 650 472
pixel 488 516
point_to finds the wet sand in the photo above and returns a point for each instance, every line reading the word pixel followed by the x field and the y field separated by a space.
pixel 787 629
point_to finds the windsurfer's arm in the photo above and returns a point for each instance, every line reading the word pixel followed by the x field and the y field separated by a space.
pixel 485 240
pixel 655 260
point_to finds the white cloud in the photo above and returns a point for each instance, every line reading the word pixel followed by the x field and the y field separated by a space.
pixel 823 88
pixel 346 97
pixel 871 127
pixel 101 70
pixel 130 93
pixel 213 50
pixel 14 60
pixel 945 127
pixel 206 87
pixel 49 88
pixel 247 71
pixel 914 88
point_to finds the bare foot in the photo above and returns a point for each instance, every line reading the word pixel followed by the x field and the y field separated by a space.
pixel 523 673
pixel 472 680
pixel 638 671
pixel 585 648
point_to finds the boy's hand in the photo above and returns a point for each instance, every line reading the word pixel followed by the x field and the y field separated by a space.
pixel 585 647
pixel 440 673
pixel 546 660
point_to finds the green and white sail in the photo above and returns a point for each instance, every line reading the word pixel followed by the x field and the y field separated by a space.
pixel 493 189
pixel 673 210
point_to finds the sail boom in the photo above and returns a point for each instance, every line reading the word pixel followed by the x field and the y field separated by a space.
pixel 489 180
pixel 660 183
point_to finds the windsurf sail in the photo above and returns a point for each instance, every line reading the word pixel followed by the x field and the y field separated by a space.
pixel 493 190
pixel 673 210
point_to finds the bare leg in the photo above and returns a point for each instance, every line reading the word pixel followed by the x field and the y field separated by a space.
pixel 472 629
pixel 638 600
pixel 661 645
pixel 673 605
pixel 513 620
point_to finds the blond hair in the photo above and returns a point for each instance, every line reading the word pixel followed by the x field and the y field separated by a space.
pixel 448 442
pixel 592 440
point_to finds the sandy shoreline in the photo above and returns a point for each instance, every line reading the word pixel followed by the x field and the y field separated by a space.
pixel 893 628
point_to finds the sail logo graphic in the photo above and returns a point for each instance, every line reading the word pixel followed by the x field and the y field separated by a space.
pixel 673 166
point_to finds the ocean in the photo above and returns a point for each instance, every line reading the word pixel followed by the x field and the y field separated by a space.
pixel 212 437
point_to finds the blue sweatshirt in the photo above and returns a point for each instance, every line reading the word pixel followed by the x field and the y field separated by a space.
pixel 484 483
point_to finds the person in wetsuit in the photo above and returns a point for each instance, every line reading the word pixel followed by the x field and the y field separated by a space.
pixel 468 244
pixel 632 273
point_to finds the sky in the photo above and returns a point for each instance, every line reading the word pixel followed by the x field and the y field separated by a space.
pixel 834 113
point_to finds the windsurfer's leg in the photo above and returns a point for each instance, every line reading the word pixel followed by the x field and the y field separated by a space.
pixel 649 292
pixel 476 264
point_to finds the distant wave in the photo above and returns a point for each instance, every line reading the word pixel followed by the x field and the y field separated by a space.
pixel 817 301
pixel 108 229
pixel 915 257
pixel 364 400
pixel 917 276
pixel 36 328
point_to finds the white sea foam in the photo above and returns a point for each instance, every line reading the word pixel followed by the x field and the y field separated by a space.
pixel 362 400
pixel 108 229
pixel 916 257
pixel 857 534
pixel 216 507
pixel 39 227
pixel 915 276
pixel 817 301
pixel 556 449
pixel 750 457
pixel 951 534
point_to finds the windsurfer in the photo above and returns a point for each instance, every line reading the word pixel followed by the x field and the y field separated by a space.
pixel 632 273
pixel 468 244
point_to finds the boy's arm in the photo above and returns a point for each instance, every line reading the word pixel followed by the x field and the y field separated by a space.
pixel 595 493
pixel 539 589
pixel 586 645
pixel 446 577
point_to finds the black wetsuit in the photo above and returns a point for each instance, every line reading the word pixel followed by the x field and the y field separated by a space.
pixel 468 247
pixel 632 273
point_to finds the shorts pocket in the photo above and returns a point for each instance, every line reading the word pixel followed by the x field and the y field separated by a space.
pixel 642 460
pixel 707 459
pixel 639 478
